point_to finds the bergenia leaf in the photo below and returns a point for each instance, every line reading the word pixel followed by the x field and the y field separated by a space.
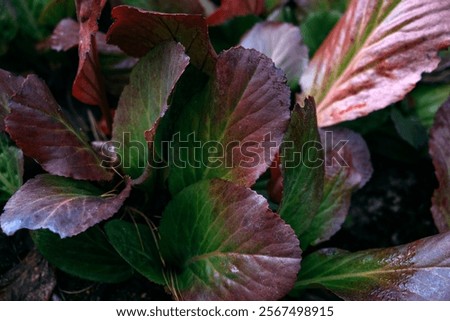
pixel 138 245
pixel 221 242
pixel 62 205
pixel 11 169
pixel 235 8
pixel 137 31
pixel 302 161
pixel 439 139
pixel 9 85
pixel 282 42
pixel 233 128
pixel 144 101
pixel 66 36
pixel 38 126
pixel 416 271
pixel 88 255
pixel 347 169
pixel 375 55
pixel 88 86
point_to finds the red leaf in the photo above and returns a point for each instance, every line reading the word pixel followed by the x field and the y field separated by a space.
pixel 9 85
pixel 67 36
pixel 235 8
pixel 62 205
pixel 440 137
pixel 375 55
pixel 138 31
pixel 88 86
pixel 40 129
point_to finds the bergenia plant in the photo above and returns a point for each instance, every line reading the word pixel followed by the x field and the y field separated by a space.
pixel 221 175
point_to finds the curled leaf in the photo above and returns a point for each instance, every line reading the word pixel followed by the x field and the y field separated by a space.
pixel 375 55
pixel 144 101
pixel 439 139
pixel 64 206
pixel 347 169
pixel 137 31
pixel 38 126
pixel 282 42
pixel 220 241
pixel 416 271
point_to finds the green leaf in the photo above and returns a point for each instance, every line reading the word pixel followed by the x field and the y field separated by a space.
pixel 138 245
pixel 234 126
pixel 416 271
pixel 8 25
pixel 11 168
pixel 347 169
pixel 374 56
pixel 316 27
pixel 302 160
pixel 62 205
pixel 144 101
pixel 409 129
pixel 220 241
pixel 27 13
pixel 55 11
pixel 426 101
pixel 88 255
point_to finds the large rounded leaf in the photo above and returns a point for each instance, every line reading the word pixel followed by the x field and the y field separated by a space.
pixel 222 242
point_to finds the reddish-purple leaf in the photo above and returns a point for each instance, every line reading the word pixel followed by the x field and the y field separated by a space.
pixel 137 31
pixel 221 242
pixel 440 152
pixel 415 271
pixel 9 85
pixel 238 120
pixel 62 205
pixel 38 126
pixel 235 8
pixel 347 169
pixel 67 36
pixel 282 42
pixel 88 86
pixel 375 55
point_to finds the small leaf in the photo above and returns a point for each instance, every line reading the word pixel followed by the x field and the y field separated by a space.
pixel 282 42
pixel 144 101
pixel 136 32
pixel 31 280
pixel 11 169
pixel 168 6
pixel 427 99
pixel 439 151
pixel 88 86
pixel 64 206
pixel 55 11
pixel 9 86
pixel 416 271
pixel 223 243
pixel 302 160
pixel 347 169
pixel 235 8
pixel 138 245
pixel 409 129
pixel 39 128
pixel 88 255
pixel 375 55
pixel 234 127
